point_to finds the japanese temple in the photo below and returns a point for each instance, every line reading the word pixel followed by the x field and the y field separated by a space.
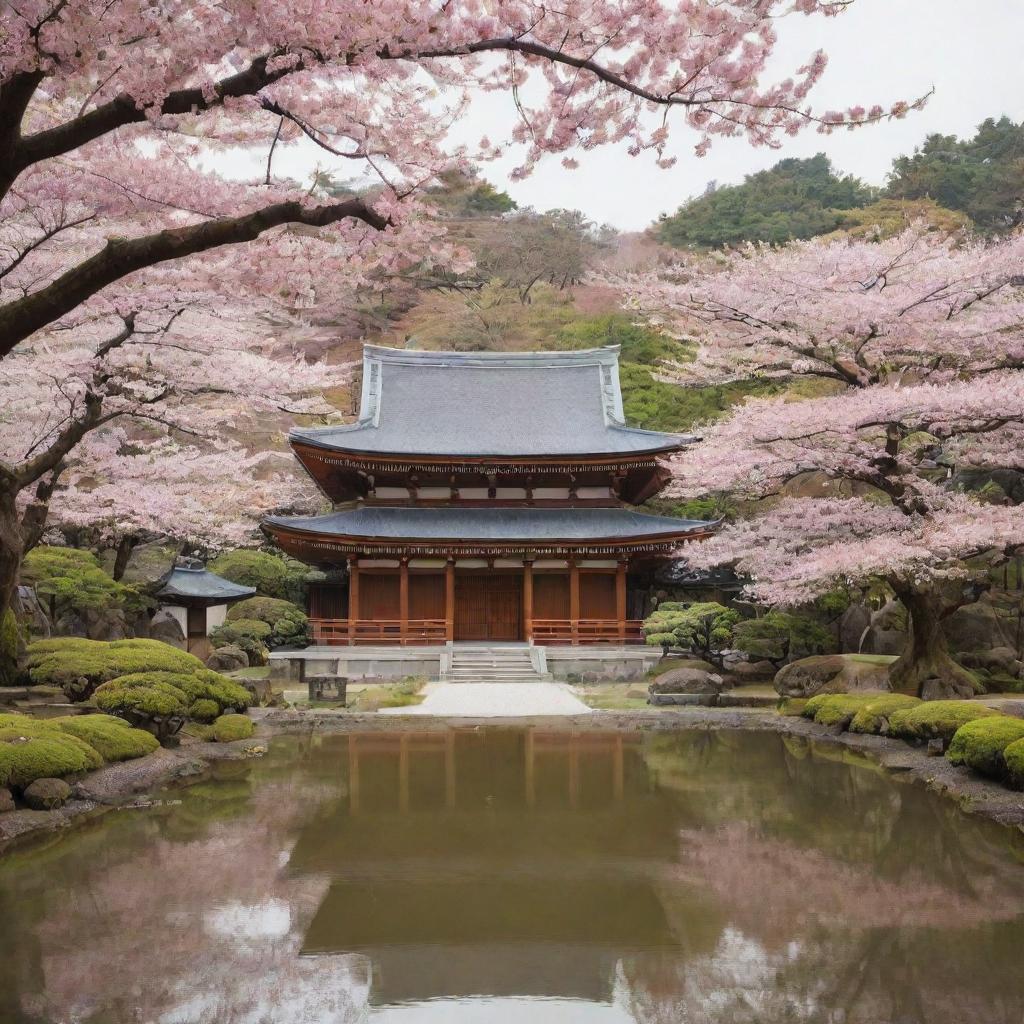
pixel 485 497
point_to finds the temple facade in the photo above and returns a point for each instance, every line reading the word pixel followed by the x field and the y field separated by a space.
pixel 485 497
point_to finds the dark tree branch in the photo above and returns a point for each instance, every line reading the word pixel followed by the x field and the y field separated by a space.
pixel 120 257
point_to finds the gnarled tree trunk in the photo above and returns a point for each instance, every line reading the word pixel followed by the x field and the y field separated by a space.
pixel 926 668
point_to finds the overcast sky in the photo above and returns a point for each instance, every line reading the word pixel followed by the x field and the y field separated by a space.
pixel 879 51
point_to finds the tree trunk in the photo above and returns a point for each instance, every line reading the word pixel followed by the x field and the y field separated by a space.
pixel 125 547
pixel 11 552
pixel 926 668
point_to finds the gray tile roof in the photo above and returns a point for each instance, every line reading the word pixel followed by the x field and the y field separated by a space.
pixel 490 403
pixel 489 524
pixel 201 587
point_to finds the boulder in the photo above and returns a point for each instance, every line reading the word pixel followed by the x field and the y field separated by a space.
pixel 751 671
pixel 976 627
pixel 6 801
pixel 999 660
pixel 164 626
pixel 229 658
pixel 887 631
pixel 149 563
pixel 687 680
pixel 833 673
pixel 852 624
pixel 47 794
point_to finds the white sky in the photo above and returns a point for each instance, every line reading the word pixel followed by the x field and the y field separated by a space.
pixel 879 51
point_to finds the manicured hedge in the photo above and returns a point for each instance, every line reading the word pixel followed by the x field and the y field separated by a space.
pixel 112 738
pixel 172 693
pixel 836 708
pixel 871 717
pixel 981 744
pixel 936 719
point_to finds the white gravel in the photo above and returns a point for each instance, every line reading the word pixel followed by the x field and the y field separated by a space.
pixel 495 700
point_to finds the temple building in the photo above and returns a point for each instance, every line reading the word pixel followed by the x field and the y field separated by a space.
pixel 485 497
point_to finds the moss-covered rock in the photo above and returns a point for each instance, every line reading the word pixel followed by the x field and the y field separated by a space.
pixel 793 707
pixel 873 717
pixel 833 673
pixel 47 794
pixel 204 710
pixel 111 737
pixel 250 635
pixel 229 728
pixel 836 709
pixel 44 756
pixel 980 744
pixel 936 719
pixel 79 666
pixel 1013 758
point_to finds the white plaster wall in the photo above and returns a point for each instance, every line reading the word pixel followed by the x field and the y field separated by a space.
pixel 179 614
pixel 215 617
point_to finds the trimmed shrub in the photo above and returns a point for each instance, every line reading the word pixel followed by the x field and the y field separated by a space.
pixel 49 756
pixel 112 738
pixel 204 710
pixel 780 636
pixel 936 719
pixel 1013 757
pixel 287 621
pixel 980 744
pixel 170 693
pixel 875 714
pixel 836 708
pixel 703 626
pixel 79 666
pixel 271 575
pixel 75 582
pixel 229 728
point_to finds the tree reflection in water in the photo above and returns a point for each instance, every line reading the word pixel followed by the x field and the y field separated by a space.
pixel 674 878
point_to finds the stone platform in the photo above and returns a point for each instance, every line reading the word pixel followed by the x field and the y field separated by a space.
pixel 592 663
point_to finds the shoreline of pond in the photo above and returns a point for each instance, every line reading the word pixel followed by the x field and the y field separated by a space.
pixel 132 783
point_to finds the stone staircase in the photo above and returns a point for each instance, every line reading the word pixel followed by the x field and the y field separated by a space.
pixel 493 663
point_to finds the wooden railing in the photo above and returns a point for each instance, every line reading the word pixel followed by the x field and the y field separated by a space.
pixel 587 631
pixel 378 631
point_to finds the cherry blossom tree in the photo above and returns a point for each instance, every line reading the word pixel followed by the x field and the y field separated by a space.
pixel 119 120
pixel 919 343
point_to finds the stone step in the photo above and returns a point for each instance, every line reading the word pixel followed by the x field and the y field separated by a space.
pixel 490 680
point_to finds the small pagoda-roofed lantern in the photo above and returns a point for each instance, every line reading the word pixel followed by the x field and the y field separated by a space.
pixel 198 601
pixel 485 496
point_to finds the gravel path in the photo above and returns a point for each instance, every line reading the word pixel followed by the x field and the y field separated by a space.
pixel 495 700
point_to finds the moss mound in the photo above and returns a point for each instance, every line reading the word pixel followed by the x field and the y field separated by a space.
pixel 873 716
pixel 287 621
pixel 936 719
pixel 269 574
pixel 980 744
pixel 172 693
pixel 112 738
pixel 67 660
pixel 836 708
pixel 45 757
pixel 229 728
pixel 1013 758
pixel 204 710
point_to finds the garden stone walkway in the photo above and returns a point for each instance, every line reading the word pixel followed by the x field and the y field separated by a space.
pixel 495 700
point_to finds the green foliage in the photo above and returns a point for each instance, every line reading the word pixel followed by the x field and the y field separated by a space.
pixel 871 717
pixel 229 728
pixel 271 575
pixel 462 194
pixel 836 708
pixel 980 744
pixel 76 582
pixel 144 693
pixel 64 661
pixel 936 719
pixel 287 622
pixel 703 626
pixel 112 738
pixel 45 757
pixel 794 199
pixel 204 710
pixel 777 636
pixel 253 628
pixel 638 342
pixel 888 217
pixel 979 176
pixel 1013 758
pixel 8 648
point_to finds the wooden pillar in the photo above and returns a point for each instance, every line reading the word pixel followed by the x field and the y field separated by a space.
pixel 449 600
pixel 353 598
pixel 620 597
pixel 528 599
pixel 403 599
pixel 574 599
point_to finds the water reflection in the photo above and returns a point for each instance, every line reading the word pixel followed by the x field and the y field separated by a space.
pixel 504 875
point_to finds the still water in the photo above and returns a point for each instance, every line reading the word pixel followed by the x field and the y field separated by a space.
pixel 508 876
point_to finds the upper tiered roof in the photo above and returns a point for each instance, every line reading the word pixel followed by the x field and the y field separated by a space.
pixel 490 404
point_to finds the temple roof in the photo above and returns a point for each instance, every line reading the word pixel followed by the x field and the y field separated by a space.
pixel 490 404
pixel 192 584
pixel 489 524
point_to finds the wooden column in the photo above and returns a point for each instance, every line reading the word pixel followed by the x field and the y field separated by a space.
pixel 449 599
pixel 527 599
pixel 574 599
pixel 620 597
pixel 353 598
pixel 403 599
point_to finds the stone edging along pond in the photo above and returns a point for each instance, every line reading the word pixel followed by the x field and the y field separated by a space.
pixel 127 783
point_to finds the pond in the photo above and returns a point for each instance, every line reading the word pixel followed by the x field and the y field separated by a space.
pixel 509 875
